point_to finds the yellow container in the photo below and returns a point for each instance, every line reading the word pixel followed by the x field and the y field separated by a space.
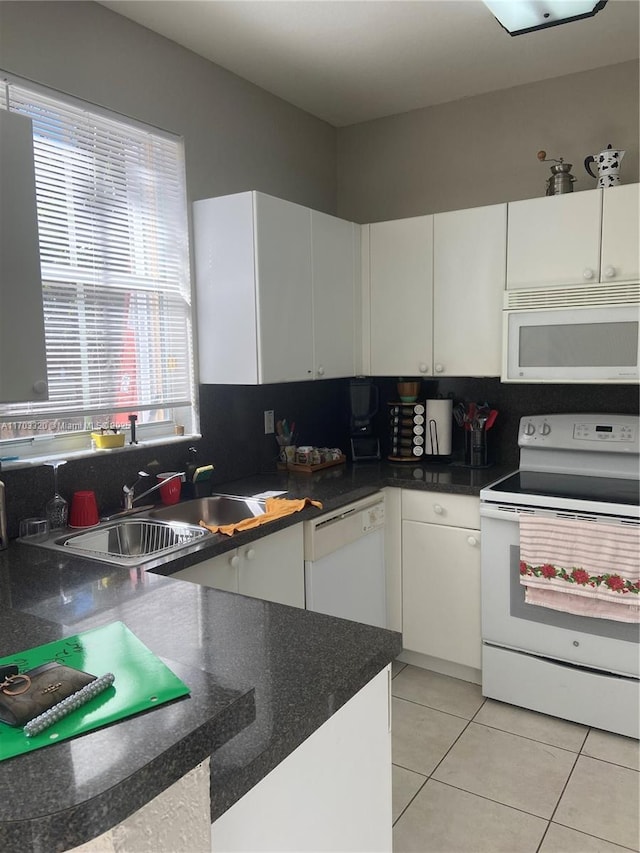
pixel 108 439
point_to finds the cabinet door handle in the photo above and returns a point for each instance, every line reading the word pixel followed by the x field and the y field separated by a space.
pixel 473 541
pixel 234 561
pixel 439 368
pixel 609 272
pixel 422 367
pixel 250 554
pixel 438 509
pixel 587 274
pixel 321 371
pixel 40 386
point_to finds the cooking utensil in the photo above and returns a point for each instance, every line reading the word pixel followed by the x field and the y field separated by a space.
pixel 459 414
pixel 493 414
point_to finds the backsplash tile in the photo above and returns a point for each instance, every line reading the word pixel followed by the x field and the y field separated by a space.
pixel 233 439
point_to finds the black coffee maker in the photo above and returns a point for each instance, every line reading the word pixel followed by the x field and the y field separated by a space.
pixel 363 405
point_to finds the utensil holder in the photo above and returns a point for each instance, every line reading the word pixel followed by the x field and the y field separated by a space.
pixel 476 448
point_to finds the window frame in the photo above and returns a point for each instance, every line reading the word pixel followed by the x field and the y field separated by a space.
pixel 51 435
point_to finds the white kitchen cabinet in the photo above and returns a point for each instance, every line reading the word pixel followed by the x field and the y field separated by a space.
pixel 276 296
pixel 219 572
pixel 401 297
pixel 441 578
pixel 333 793
pixel 253 287
pixel 620 234
pixel 23 362
pixel 469 261
pixel 577 238
pixel 421 271
pixel 335 246
pixel 271 568
pixel 554 240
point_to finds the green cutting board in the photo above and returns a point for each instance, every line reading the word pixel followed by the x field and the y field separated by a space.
pixel 142 681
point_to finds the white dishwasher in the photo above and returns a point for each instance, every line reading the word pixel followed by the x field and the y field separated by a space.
pixel 344 571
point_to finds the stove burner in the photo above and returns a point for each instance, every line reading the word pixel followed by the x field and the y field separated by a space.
pixel 583 488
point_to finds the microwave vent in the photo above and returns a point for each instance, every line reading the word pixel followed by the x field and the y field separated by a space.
pixel 578 296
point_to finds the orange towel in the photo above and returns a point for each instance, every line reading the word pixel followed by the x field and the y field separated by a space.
pixel 274 508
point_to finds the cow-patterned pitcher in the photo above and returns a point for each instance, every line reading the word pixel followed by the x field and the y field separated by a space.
pixel 608 165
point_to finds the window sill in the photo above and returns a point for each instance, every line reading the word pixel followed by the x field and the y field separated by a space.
pixel 11 463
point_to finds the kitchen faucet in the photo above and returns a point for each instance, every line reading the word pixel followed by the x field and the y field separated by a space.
pixel 129 497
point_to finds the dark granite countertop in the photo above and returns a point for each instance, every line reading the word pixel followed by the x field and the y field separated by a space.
pixel 336 487
pixel 263 676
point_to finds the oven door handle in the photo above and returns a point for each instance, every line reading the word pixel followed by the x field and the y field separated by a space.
pixel 502 513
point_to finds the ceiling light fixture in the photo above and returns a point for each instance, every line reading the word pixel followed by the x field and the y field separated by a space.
pixel 527 16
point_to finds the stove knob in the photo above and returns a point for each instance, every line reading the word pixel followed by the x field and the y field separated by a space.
pixel 545 429
pixel 529 429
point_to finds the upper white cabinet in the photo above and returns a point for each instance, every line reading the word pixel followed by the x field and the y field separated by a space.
pixel 620 230
pixel 275 291
pixel 335 259
pixel 573 239
pixel 469 259
pixel 23 362
pixel 401 297
pixel 253 285
pixel 435 286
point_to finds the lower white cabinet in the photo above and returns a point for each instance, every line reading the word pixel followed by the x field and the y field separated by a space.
pixel 441 577
pixel 333 793
pixel 271 568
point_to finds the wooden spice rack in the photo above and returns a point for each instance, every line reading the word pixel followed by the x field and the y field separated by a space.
pixel 309 469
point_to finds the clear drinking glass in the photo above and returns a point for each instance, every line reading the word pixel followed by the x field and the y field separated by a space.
pixel 57 509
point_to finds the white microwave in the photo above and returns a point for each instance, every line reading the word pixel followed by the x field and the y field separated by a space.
pixel 581 334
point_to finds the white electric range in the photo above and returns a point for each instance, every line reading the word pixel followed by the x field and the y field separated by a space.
pixel 582 668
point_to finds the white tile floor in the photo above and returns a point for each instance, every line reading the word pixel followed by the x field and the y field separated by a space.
pixel 472 775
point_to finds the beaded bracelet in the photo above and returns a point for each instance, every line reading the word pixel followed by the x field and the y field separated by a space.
pixel 71 703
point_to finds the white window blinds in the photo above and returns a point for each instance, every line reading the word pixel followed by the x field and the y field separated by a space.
pixel 113 237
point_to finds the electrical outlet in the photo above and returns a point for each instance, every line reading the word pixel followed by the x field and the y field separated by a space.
pixel 269 427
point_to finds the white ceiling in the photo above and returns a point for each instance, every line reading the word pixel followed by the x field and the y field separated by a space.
pixel 348 61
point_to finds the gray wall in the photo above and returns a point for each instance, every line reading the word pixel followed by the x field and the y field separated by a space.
pixel 237 136
pixel 479 150
pixel 482 150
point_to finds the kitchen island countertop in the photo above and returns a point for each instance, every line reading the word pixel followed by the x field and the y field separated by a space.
pixel 263 678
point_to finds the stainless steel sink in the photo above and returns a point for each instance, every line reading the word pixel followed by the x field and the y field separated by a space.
pixel 215 510
pixel 129 542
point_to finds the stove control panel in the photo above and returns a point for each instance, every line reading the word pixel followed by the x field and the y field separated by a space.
pixel 603 432
pixel 613 433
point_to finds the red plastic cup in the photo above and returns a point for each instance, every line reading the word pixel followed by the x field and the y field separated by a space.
pixel 84 510
pixel 170 491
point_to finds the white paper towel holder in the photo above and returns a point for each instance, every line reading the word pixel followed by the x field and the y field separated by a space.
pixel 439 430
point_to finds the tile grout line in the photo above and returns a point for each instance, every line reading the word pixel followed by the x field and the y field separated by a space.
pixel 430 776
pixel 507 732
pixel 439 710
pixel 544 835
pixel 549 821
